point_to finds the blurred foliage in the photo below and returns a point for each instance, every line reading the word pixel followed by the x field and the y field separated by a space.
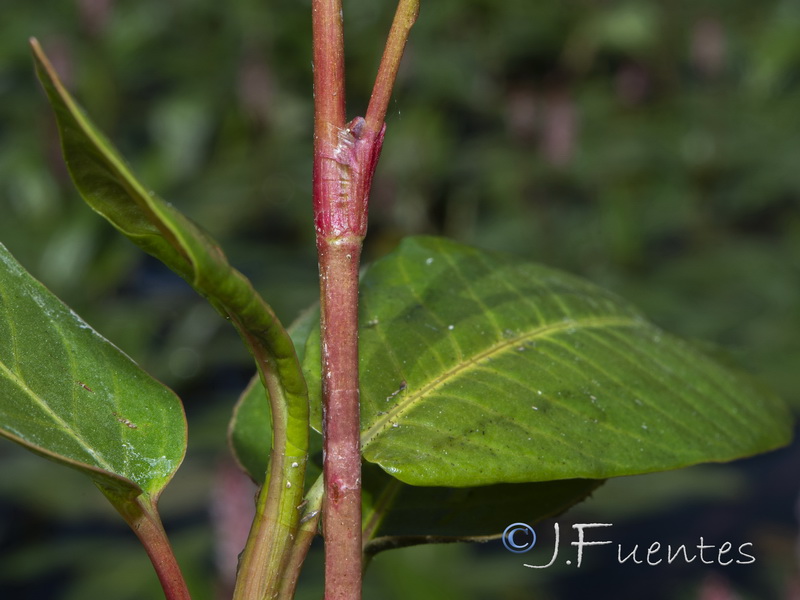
pixel 651 146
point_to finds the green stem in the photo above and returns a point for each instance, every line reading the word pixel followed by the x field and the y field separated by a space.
pixel 269 545
pixel 309 524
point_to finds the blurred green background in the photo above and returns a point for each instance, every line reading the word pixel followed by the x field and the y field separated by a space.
pixel 651 146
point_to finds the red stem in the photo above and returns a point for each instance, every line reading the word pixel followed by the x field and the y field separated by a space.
pixel 345 157
pixel 341 523
pixel 329 100
pixel 404 19
pixel 339 308
pixel 142 516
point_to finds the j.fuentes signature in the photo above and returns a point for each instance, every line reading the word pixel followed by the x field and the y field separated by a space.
pixel 520 537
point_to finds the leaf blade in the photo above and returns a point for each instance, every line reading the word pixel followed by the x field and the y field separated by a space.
pixel 252 419
pixel 479 369
pixel 72 396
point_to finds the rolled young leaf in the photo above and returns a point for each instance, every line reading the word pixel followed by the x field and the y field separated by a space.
pixel 251 417
pixel 479 368
pixel 109 187
pixel 250 420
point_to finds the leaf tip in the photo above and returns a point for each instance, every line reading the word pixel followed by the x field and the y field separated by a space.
pixel 36 47
pixel 44 68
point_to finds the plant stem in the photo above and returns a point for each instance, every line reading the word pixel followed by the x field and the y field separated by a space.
pixel 345 157
pixel 339 260
pixel 142 516
pixel 306 533
pixel 404 18
pixel 329 98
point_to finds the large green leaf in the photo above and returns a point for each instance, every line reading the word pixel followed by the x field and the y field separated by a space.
pixel 396 514
pixel 479 368
pixel 70 395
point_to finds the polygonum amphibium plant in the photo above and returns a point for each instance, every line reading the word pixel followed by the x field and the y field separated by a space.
pixel 475 389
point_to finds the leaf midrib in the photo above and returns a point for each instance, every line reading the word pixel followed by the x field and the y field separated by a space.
pixel 66 427
pixel 411 400
pixel 21 384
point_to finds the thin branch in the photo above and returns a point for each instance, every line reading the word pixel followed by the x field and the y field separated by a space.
pixel 309 524
pixel 404 18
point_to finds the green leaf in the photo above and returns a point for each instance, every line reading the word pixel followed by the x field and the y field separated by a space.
pixel 70 395
pixel 250 431
pixel 397 514
pixel 108 186
pixel 249 435
pixel 479 368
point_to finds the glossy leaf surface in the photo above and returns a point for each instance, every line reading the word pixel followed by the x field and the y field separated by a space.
pixel 479 368
pixel 70 395
pixel 396 514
